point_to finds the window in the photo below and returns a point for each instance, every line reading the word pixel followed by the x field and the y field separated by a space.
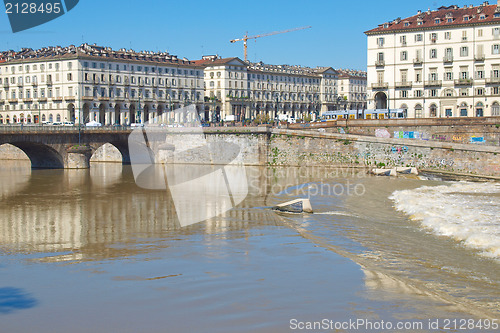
pixel 450 20
pixel 496 90
pixel 495 109
pixel 433 37
pixel 464 35
pixel 418 75
pixel 403 93
pixel 464 51
pixel 447 35
pixel 403 40
pixel 464 92
pixel 480 91
pixel 380 57
pixel 433 93
pixel 418 37
pixel 480 73
pixel 433 54
pixel 437 21
pixel 70 77
pixel 418 93
pixel 466 18
pixel 404 55
pixel 496 32
pixel 449 93
pixel 448 75
pixel 407 24
pixel 480 33
pixel 496 49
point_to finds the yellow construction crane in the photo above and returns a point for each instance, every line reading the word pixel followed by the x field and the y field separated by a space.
pixel 246 38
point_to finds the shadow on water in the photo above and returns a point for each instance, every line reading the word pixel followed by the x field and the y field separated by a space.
pixel 12 299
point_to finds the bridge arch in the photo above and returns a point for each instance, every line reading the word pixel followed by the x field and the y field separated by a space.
pixel 122 147
pixel 41 156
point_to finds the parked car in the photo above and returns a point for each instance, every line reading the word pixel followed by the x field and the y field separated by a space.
pixel 57 123
pixel 136 125
pixel 48 123
pixel 93 124
pixel 68 123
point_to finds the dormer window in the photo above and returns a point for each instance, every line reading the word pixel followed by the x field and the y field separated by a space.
pixel 407 24
pixel 482 17
pixel 450 20
pixel 420 23
pixel 466 18
pixel 437 21
pixel 496 15
pixel 386 25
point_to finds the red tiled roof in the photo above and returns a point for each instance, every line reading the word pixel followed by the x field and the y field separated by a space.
pixel 428 19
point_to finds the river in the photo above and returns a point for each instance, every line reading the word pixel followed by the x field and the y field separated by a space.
pixel 90 251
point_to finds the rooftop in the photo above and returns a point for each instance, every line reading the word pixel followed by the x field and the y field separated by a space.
pixel 443 17
pixel 86 50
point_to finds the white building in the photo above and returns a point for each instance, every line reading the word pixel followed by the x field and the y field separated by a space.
pixel 441 63
pixel 352 89
pixel 238 90
pixel 91 82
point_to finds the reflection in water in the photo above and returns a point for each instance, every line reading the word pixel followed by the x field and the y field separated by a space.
pixel 13 176
pixel 12 299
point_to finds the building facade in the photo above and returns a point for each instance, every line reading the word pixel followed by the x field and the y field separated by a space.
pixel 441 63
pixel 352 89
pixel 94 83
pixel 235 90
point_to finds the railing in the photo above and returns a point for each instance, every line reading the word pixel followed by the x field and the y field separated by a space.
pixel 406 84
pixel 493 80
pixel 34 128
pixel 380 63
pixel 380 85
pixel 479 57
pixel 448 58
pixel 433 83
pixel 463 82
pixel 418 61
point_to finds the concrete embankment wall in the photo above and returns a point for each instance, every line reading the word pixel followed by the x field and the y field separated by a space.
pixel 310 148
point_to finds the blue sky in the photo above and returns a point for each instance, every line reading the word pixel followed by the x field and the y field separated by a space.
pixel 192 28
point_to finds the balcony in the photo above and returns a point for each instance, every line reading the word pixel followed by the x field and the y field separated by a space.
pixel 463 82
pixel 12 100
pixel 6 84
pixel 103 98
pixel 380 63
pixel 27 100
pixel 406 84
pixel 58 98
pixel 433 83
pixel 69 98
pixel 88 98
pixel 34 83
pixel 380 85
pixel 49 81
pixel 479 57
pixel 42 99
pixel 119 98
pixel 418 61
pixel 19 83
pixel 448 59
pixel 95 81
pixel 493 80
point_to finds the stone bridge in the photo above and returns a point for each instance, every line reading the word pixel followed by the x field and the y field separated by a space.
pixel 64 147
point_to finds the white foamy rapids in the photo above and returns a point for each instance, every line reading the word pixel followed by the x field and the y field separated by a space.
pixel 467 212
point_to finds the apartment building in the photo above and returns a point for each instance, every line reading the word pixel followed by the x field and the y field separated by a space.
pixel 236 90
pixel 90 82
pixel 352 89
pixel 439 63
